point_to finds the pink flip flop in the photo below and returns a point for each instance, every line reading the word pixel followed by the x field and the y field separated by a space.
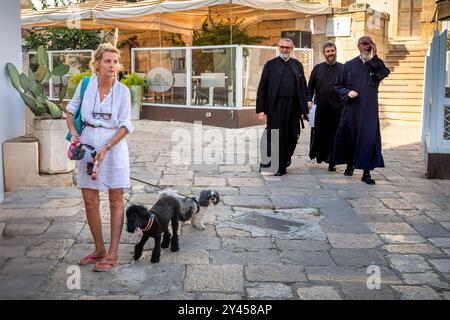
pixel 89 259
pixel 105 265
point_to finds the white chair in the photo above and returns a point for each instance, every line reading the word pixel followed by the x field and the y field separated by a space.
pixel 211 81
pixel 179 86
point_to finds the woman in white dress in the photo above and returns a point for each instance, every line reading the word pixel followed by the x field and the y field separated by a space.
pixel 106 114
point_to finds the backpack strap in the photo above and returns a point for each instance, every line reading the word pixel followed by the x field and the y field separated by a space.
pixel 77 115
pixel 84 84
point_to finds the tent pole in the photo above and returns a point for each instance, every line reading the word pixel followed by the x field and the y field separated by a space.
pixel 231 23
pixel 159 31
pixel 160 53
pixel 116 36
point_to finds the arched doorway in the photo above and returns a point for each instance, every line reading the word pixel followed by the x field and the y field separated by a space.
pixel 409 21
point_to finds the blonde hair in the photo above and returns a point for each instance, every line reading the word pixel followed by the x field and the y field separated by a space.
pixel 98 55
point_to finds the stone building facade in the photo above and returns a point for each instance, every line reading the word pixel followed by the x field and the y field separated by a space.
pixel 402 30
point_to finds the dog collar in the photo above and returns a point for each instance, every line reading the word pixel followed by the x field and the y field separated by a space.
pixel 150 222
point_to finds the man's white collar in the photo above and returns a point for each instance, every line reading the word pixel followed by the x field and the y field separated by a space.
pixel 364 61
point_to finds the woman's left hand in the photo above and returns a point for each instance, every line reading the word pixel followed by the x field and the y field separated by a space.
pixel 101 155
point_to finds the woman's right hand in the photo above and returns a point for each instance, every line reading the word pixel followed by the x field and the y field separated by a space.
pixel 74 139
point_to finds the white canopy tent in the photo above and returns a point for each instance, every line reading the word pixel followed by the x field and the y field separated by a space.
pixel 177 16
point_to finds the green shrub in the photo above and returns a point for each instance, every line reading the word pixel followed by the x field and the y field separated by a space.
pixel 132 81
pixel 75 80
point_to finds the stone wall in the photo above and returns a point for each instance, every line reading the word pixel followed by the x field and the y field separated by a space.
pixel 428 11
pixel 365 21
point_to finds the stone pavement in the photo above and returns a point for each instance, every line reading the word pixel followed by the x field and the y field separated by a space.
pixel 310 234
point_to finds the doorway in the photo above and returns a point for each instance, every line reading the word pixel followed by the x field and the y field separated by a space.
pixel 409 22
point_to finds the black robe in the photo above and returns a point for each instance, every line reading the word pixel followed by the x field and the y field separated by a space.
pixel 358 138
pixel 282 96
pixel 328 111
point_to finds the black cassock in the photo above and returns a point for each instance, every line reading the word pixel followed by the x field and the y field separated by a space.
pixel 328 110
pixel 282 97
pixel 358 138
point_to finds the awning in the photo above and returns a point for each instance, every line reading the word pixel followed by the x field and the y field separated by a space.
pixel 174 16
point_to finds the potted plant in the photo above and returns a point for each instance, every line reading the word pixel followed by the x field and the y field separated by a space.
pixel 74 81
pixel 136 84
pixel 49 125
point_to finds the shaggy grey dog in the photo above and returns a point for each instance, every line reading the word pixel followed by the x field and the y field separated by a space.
pixel 194 208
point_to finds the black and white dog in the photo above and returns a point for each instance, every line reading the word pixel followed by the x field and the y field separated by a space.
pixel 194 208
pixel 170 208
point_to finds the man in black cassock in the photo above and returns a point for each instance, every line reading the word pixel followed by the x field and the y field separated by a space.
pixel 329 106
pixel 358 138
pixel 282 98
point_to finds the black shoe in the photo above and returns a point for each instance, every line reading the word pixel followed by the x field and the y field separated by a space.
pixel 280 173
pixel 348 171
pixel 367 179
pixel 288 163
pixel 331 167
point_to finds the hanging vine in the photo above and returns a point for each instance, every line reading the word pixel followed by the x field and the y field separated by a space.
pixel 55 3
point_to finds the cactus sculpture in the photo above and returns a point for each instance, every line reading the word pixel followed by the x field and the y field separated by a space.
pixel 31 87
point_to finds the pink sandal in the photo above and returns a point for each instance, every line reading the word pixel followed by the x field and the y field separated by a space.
pixel 105 265
pixel 89 259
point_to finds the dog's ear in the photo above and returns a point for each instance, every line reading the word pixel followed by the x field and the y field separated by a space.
pixel 131 219
pixel 203 200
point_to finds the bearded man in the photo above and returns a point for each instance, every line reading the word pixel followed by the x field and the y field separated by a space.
pixel 328 106
pixel 282 97
pixel 358 138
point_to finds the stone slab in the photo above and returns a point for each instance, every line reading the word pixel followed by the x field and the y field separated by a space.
pixel 391 228
pixel 280 273
pixel 26 228
pixel 302 245
pixel 318 293
pixel 210 278
pixel 307 258
pixel 28 266
pixel 416 293
pixel 443 265
pixel 353 241
pixel 262 256
pixel 50 249
pixel 357 257
pixel 408 263
pixel 402 239
pixel 275 291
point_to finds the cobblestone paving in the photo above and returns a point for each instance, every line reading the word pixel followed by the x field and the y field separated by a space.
pixel 321 237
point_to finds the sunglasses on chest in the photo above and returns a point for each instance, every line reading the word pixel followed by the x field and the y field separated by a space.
pixel 103 115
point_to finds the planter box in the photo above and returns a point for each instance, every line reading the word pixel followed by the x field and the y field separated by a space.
pixel 135 111
pixel 136 96
pixel 52 146
pixel 20 161
pixel 20 164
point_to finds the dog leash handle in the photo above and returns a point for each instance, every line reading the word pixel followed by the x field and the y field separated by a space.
pixel 95 171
